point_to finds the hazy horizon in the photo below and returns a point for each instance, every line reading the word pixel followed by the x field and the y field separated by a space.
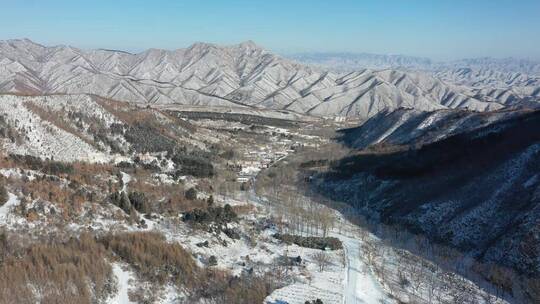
pixel 283 54
pixel 436 30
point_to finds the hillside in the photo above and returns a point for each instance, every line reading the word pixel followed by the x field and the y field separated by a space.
pixel 507 81
pixel 238 75
pixel 460 178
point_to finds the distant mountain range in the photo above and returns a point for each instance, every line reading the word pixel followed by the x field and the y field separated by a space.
pixel 355 61
pixel 246 75
pixel 346 62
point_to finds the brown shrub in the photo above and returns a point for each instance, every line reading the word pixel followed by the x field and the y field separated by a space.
pixel 77 271
pixel 69 201
pixel 124 111
pixel 71 272
pixel 159 121
pixel 90 173
pixel 87 181
pixel 163 198
pixel 158 261
pixel 244 209
pixel 3 192
pixel 221 287
pixel 154 258
pixel 249 289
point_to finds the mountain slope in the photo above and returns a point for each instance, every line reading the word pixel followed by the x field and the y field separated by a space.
pixel 238 75
pixel 460 178
pixel 506 81
pixel 90 128
pixel 356 61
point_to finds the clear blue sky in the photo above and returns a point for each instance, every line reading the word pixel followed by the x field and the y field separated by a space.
pixel 435 28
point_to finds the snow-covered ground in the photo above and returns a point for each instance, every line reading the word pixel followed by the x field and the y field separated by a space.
pixel 373 277
pixel 6 208
pixel 123 278
pixel 126 178
pixel 41 137
pixel 349 278
pixel 360 285
pixel 354 283
pixel 298 293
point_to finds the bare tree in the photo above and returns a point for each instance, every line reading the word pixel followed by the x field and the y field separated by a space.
pixel 431 286
pixel 363 234
pixel 322 259
pixel 440 293
pixel 370 251
pixel 325 218
pixel 490 299
pixel 416 275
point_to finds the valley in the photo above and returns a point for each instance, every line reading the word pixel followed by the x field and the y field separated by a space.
pixel 229 174
pixel 128 186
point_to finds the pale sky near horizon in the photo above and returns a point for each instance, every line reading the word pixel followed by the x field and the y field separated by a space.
pixel 436 29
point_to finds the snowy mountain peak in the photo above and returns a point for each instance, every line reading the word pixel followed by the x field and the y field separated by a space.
pixel 20 42
pixel 249 44
pixel 246 74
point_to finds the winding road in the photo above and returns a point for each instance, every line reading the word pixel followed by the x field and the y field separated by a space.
pixel 361 286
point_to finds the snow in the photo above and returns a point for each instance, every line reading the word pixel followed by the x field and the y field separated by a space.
pixel 6 208
pixel 361 286
pixel 250 170
pixel 171 295
pixel 232 76
pixel 354 283
pixel 326 285
pixel 391 130
pixel 163 178
pixel 430 120
pixel 298 293
pixel 123 278
pixel 18 173
pixel 126 178
pixel 42 138
pixel 531 181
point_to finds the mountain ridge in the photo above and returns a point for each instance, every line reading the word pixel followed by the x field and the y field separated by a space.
pixel 460 178
pixel 244 74
pixel 385 61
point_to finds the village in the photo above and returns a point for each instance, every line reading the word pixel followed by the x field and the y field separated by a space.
pixel 281 142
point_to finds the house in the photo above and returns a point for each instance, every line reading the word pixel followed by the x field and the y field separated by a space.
pixel 243 179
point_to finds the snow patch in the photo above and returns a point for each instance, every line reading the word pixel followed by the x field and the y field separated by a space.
pixel 123 278
pixel 531 181
pixel 6 208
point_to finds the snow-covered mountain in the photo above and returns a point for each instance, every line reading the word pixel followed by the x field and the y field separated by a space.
pixel 355 61
pixel 496 85
pixel 242 75
pixel 460 178
pixel 507 65
pixel 506 81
